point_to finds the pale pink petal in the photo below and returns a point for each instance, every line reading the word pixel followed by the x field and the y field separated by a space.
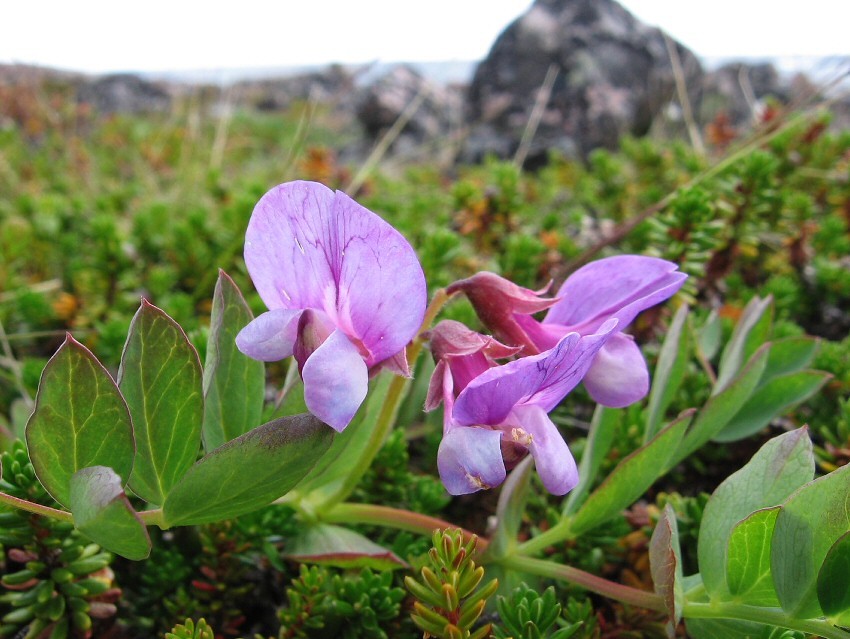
pixel 618 376
pixel 450 338
pixel 436 384
pixel 397 365
pixel 270 336
pixel 335 381
pixel 552 456
pixel 470 459
pixel 616 287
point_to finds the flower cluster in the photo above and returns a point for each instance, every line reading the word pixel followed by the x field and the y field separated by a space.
pixel 346 294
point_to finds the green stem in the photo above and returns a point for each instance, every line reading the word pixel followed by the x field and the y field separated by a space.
pixel 618 592
pixel 556 534
pixel 349 513
pixel 38 509
pixel 386 417
pixel 771 616
pixel 151 517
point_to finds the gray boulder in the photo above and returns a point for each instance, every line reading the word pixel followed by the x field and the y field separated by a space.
pixel 124 93
pixel 614 75
pixel 383 101
pixel 738 90
pixel 333 85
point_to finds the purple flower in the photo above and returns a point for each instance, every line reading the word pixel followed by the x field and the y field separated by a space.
pixel 344 289
pixel 612 288
pixel 495 415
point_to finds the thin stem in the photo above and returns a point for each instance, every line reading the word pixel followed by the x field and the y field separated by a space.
pixel 771 616
pixel 152 517
pixel 386 417
pixel 556 534
pixel 684 99
pixel 618 592
pixel 543 95
pixel 38 509
pixel 393 518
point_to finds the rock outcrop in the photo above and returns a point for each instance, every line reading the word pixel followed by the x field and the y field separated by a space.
pixel 124 93
pixel 614 75
pixel 382 102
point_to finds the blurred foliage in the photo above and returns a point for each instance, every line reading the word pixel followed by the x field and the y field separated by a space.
pixel 96 212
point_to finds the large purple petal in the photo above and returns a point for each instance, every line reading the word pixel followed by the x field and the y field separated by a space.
pixel 618 287
pixel 335 381
pixel 308 247
pixel 270 336
pixel 618 376
pixel 543 379
pixel 382 291
pixel 470 459
pixel 552 456
pixel 289 249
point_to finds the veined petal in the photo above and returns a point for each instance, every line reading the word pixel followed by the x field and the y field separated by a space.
pixel 618 287
pixel 335 381
pixel 271 336
pixel 289 251
pixel 309 247
pixel 470 459
pixel 618 375
pixel 543 379
pixel 552 456
pixel 382 291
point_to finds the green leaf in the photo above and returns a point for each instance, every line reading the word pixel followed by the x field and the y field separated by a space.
pixel 748 559
pixel 669 372
pixel 771 400
pixel 728 629
pixel 789 355
pixel 665 564
pixel 160 377
pixel 103 513
pixel 329 545
pixel 233 383
pixel 809 523
pixel 779 467
pixel 833 582
pixel 510 509
pixel 248 472
pixel 708 336
pixel 722 407
pixel 751 331
pixel 631 477
pixel 80 420
pixel 600 438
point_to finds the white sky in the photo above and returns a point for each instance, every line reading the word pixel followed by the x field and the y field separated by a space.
pixel 101 35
